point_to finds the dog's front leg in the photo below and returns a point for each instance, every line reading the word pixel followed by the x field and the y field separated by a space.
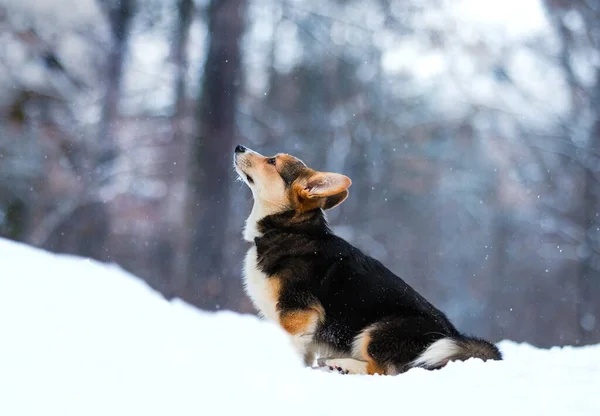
pixel 301 324
pixel 303 344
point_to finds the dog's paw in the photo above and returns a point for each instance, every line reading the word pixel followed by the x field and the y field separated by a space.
pixel 330 369
pixel 343 365
pixel 337 369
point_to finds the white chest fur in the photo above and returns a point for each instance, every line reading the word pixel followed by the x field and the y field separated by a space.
pixel 259 287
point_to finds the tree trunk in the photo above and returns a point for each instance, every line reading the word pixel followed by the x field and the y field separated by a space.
pixel 185 8
pixel 176 279
pixel 120 14
pixel 589 277
pixel 212 150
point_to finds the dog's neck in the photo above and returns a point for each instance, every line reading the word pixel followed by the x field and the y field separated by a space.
pixel 259 211
pixel 263 219
pixel 312 222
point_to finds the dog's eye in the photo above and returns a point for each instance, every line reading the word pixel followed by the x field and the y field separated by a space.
pixel 271 161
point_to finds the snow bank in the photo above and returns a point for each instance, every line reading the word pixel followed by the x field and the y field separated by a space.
pixel 81 338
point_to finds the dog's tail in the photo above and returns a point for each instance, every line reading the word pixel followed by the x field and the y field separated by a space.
pixel 444 350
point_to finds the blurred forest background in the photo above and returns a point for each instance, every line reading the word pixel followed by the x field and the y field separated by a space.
pixel 471 130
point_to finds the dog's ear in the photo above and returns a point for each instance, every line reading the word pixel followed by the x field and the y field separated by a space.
pixel 323 190
pixel 335 200
pixel 326 184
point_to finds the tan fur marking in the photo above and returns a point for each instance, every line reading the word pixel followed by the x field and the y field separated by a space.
pixel 302 321
pixel 374 368
pixel 361 350
pixel 300 201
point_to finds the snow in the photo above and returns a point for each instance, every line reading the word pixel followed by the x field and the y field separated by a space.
pixel 83 338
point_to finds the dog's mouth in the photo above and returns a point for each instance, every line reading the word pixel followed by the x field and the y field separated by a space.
pixel 241 164
pixel 242 174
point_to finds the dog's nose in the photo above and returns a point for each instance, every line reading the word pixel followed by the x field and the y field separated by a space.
pixel 240 149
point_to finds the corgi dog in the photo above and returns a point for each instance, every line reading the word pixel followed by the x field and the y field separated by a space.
pixel 338 304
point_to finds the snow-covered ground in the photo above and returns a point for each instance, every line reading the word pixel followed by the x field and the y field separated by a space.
pixel 81 338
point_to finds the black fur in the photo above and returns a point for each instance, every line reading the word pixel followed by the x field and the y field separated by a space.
pixel 290 171
pixel 355 291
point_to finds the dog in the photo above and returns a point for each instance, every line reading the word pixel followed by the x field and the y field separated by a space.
pixel 336 303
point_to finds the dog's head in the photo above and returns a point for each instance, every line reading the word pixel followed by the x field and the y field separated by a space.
pixel 282 182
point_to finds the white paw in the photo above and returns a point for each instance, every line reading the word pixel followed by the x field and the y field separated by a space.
pixel 343 365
